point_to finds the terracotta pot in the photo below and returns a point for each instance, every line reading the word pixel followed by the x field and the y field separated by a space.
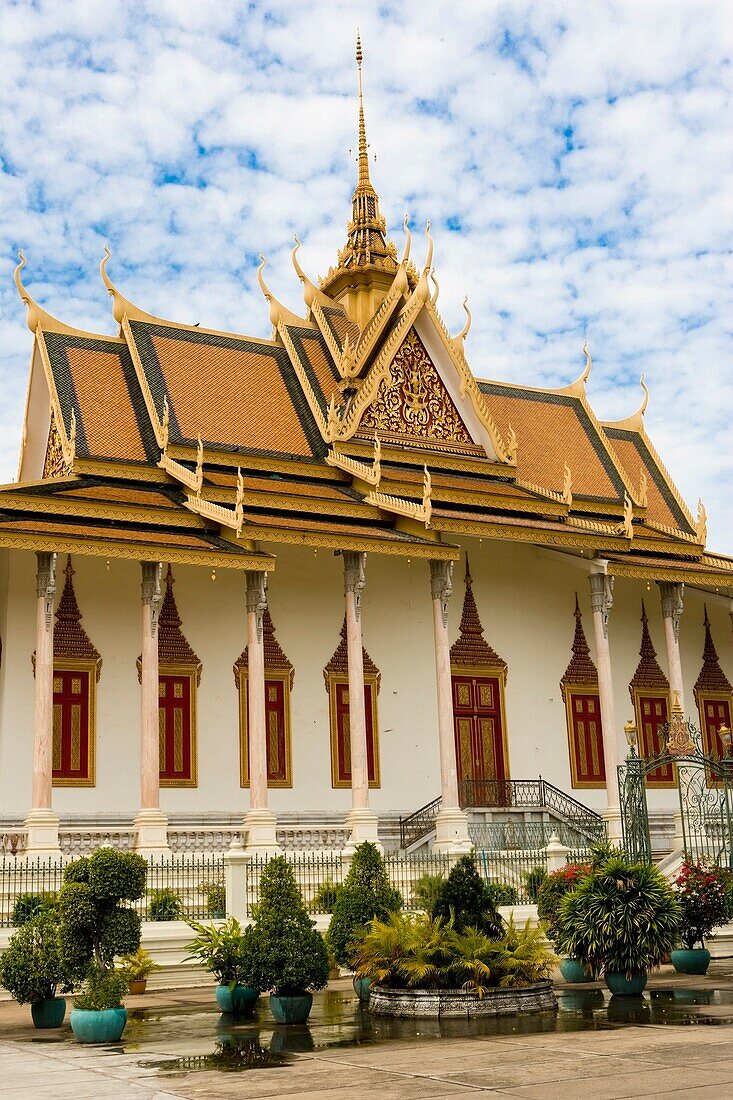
pixel 138 986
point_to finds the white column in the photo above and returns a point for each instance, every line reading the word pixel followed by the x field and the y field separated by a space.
pixel 260 822
pixel 42 824
pixel 601 600
pixel 451 824
pixel 361 819
pixel 671 596
pixel 151 823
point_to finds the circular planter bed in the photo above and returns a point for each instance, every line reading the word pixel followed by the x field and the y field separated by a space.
pixel 539 997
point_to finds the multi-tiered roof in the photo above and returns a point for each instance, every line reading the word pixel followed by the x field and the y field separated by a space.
pixel 359 425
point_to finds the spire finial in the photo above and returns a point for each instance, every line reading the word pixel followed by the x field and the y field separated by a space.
pixel 363 153
pixel 468 578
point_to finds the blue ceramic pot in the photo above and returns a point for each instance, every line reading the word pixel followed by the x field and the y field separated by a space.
pixel 240 1000
pixel 291 1010
pixel 49 1012
pixel 361 988
pixel 573 971
pixel 98 1025
pixel 694 960
pixel 621 986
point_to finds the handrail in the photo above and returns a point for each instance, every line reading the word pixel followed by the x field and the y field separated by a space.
pixel 418 824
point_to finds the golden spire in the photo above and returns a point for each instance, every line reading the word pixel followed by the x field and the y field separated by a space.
pixel 364 181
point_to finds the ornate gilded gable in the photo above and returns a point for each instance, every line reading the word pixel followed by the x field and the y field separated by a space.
pixel 712 677
pixel 412 404
pixel 648 675
pixel 54 464
pixel 275 659
pixel 471 650
pixel 339 663
pixel 581 669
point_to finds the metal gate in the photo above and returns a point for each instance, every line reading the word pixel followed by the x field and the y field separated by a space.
pixel 705 795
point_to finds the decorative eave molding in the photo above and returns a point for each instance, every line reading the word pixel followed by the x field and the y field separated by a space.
pixel 421 512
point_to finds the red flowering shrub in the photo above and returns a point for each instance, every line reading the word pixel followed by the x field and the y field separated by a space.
pixel 554 888
pixel 705 892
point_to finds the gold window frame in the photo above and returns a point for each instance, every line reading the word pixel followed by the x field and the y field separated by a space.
pixel 701 698
pixel 638 693
pixel 184 672
pixel 487 672
pixel 371 679
pixel 570 691
pixel 68 664
pixel 285 677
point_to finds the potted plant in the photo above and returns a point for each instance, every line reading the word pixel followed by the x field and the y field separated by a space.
pixel 226 952
pixel 137 967
pixel 216 900
pixel 553 889
pixel 289 956
pixel 704 892
pixel 32 968
pixel 95 925
pixel 165 904
pixel 366 893
pixel 621 920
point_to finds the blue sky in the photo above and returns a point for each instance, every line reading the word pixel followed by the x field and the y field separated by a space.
pixel 575 159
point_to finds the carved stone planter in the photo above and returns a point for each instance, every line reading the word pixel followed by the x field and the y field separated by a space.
pixel 539 997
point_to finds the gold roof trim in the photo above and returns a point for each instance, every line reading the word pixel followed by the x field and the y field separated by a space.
pixel 38 318
pixel 279 314
pixel 421 512
pixel 635 422
pixel 577 388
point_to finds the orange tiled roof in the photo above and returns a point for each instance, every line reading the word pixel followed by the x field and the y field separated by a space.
pixel 553 429
pixel 637 459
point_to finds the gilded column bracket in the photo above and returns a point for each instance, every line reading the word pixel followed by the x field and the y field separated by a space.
pixel 46 582
pixel 355 576
pixel 601 597
pixel 672 603
pixel 151 591
pixel 441 584
pixel 256 598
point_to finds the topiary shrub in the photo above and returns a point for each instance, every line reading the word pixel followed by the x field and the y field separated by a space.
pixel 103 988
pixel 33 967
pixel 165 904
pixel 365 894
pixel 287 955
pixel 467 901
pixel 94 923
pixel 28 906
pixel 621 918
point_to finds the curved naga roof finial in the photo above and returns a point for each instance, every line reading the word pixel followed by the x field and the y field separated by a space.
pixel 645 400
pixel 588 363
pixel 36 315
pixel 577 388
pixel 461 336
pixel 436 292
pixel 635 422
pixel 121 306
pixel 268 295
pixel 311 293
pixel 408 239
pixel 422 290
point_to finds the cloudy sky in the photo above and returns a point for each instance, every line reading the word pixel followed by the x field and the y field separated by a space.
pixel 576 161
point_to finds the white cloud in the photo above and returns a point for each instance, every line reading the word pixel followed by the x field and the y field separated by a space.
pixel 575 160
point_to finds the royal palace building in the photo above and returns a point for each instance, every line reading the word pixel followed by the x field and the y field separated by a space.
pixel 301 586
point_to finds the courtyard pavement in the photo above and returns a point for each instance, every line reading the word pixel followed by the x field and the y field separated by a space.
pixel 599 1059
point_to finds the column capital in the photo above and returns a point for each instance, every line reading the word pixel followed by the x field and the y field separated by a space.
pixel 46 582
pixel 601 596
pixel 671 596
pixel 355 576
pixel 257 596
pixel 150 590
pixel 441 584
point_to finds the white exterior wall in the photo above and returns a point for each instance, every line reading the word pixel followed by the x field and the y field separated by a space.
pixel 525 598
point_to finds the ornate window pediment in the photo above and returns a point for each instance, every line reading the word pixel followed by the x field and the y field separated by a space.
pixel 713 696
pixel 336 676
pixel 279 678
pixel 579 686
pixel 649 691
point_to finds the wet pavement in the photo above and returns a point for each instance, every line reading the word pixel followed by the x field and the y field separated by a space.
pixel 177 1044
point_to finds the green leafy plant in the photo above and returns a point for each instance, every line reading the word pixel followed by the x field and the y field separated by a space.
pixel 366 893
pixel 95 924
pixel 533 880
pixel 554 888
pixel 138 965
pixel 225 952
pixel 165 904
pixel 216 898
pixel 704 892
pixel 501 893
pixel 33 967
pixel 420 952
pixel 466 900
pixel 325 896
pixel 426 889
pixel 288 955
pixel 620 918
pixel 27 906
pixel 103 988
